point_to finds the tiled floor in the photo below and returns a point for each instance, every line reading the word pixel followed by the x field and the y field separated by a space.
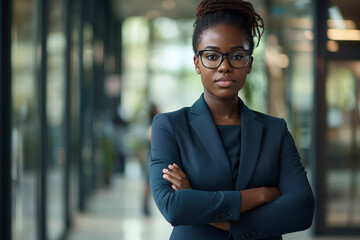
pixel 115 214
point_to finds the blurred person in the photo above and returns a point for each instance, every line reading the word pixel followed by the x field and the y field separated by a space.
pixel 108 147
pixel 146 192
pixel 220 170
pixel 120 127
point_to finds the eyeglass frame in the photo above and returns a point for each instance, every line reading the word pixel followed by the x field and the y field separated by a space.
pixel 248 53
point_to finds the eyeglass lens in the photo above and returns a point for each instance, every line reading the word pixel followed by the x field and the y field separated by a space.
pixel 213 59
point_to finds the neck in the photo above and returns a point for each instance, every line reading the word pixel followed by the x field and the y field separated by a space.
pixel 223 111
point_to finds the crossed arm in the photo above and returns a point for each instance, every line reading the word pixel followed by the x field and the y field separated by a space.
pixel 181 205
pixel 251 198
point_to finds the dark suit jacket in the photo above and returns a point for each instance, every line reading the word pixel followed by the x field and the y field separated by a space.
pixel 189 137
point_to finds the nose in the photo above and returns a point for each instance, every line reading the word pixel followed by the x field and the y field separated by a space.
pixel 225 65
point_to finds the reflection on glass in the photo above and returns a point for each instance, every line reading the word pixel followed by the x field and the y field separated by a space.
pixel 55 101
pixel 87 109
pixel 343 141
pixel 290 68
pixel 24 120
pixel 74 113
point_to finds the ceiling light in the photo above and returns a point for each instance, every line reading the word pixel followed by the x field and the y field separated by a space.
pixel 347 24
pixel 343 34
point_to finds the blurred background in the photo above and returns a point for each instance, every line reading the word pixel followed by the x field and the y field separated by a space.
pixel 81 80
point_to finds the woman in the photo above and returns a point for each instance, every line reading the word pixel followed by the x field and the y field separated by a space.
pixel 218 169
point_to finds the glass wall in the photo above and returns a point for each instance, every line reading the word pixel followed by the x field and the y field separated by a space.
pixel 343 141
pixel 65 166
pixel 87 108
pixel 55 115
pixel 173 80
pixel 290 68
pixel 340 183
pixel 74 156
pixel 25 135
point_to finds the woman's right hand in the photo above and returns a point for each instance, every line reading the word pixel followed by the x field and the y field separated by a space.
pixel 176 176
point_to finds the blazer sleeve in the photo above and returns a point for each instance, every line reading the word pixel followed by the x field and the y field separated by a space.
pixel 184 207
pixel 292 211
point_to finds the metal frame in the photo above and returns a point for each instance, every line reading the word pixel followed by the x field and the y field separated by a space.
pixel 5 119
pixel 67 118
pixel 319 17
pixel 81 100
pixel 41 34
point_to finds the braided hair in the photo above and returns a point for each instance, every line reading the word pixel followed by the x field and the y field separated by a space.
pixel 232 12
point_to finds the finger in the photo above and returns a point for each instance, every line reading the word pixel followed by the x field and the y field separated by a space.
pixel 176 173
pixel 172 180
pixel 176 168
pixel 176 184
pixel 174 165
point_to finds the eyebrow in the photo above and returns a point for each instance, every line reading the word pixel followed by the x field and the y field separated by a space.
pixel 232 48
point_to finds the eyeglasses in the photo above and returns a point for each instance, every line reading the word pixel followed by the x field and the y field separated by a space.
pixel 213 58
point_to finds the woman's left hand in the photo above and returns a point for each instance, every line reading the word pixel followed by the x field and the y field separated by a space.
pixel 176 176
pixel 179 180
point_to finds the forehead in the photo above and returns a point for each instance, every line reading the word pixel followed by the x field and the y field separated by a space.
pixel 224 37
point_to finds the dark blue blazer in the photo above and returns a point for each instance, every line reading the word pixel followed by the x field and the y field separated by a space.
pixel 189 138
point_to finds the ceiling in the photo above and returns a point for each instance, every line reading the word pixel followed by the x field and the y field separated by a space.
pixel 154 8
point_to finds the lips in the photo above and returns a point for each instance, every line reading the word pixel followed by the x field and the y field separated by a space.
pixel 224 82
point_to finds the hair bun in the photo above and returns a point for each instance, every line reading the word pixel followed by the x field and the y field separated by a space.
pixel 208 6
pixel 246 8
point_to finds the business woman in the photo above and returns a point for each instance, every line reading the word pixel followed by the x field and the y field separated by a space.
pixel 218 169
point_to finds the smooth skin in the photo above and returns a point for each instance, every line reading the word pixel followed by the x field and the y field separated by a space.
pixel 221 88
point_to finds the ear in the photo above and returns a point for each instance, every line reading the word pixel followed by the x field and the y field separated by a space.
pixel 197 64
pixel 250 65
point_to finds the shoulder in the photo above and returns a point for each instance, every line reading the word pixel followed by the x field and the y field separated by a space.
pixel 271 121
pixel 174 117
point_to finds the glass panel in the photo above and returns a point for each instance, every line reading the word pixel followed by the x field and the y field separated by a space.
pixel 290 67
pixel 55 106
pixel 343 25
pixel 74 112
pixel 343 144
pixel 24 120
pixel 87 104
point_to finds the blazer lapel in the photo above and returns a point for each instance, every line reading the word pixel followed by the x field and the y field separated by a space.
pixel 251 134
pixel 205 128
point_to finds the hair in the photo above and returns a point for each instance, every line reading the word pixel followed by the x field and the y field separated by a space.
pixel 238 13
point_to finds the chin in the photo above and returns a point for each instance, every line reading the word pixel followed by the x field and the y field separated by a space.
pixel 227 94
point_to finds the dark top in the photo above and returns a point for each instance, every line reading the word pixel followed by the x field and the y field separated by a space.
pixel 230 136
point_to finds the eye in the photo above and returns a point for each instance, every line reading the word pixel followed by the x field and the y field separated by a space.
pixel 212 56
pixel 238 56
